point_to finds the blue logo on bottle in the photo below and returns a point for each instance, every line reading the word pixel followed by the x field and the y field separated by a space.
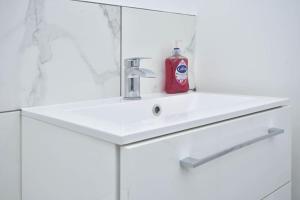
pixel 181 68
pixel 181 73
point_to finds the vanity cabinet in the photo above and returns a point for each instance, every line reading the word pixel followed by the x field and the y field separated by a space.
pixel 247 158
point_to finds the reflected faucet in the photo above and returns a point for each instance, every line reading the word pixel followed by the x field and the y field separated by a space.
pixel 133 72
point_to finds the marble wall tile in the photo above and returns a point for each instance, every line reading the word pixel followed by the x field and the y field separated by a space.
pixel 57 51
pixel 153 34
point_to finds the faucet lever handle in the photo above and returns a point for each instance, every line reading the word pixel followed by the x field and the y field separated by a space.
pixel 135 61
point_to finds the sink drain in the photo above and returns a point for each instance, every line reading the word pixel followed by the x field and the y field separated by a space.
pixel 156 110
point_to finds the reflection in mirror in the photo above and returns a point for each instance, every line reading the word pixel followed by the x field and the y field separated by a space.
pixel 148 33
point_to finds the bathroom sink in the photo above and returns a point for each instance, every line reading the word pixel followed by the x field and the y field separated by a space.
pixel 122 121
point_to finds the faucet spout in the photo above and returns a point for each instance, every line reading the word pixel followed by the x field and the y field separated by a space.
pixel 133 73
pixel 140 72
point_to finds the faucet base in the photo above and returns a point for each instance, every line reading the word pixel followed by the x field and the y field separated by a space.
pixel 132 98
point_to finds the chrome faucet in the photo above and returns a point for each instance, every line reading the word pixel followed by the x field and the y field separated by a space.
pixel 133 72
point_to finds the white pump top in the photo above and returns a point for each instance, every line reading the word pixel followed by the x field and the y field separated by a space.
pixel 176 50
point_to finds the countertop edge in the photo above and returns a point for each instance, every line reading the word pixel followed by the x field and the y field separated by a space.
pixel 141 136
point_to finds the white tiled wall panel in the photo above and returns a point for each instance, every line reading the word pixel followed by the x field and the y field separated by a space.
pixel 56 51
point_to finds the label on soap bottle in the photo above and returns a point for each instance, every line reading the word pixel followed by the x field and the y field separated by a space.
pixel 181 73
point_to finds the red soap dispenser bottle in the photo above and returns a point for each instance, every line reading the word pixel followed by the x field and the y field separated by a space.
pixel 176 72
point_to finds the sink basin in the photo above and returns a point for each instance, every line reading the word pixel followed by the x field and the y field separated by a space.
pixel 125 121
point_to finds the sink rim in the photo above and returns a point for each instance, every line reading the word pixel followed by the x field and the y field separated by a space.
pixel 55 115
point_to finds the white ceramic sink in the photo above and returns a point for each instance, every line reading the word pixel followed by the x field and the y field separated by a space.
pixel 126 121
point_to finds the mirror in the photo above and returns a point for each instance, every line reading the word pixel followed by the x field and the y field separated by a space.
pixel 148 33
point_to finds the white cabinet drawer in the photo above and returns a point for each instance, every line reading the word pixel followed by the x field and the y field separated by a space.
pixel 151 169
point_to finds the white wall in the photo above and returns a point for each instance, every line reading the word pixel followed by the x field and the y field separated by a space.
pixel 252 47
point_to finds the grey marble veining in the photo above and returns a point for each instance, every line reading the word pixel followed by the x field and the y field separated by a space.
pixel 38 60
pixel 191 45
pixel 190 51
pixel 114 19
pixel 40 34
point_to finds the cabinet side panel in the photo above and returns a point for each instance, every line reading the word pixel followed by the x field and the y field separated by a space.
pixel 10 156
pixel 58 164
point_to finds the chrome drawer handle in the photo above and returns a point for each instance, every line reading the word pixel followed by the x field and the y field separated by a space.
pixel 190 162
